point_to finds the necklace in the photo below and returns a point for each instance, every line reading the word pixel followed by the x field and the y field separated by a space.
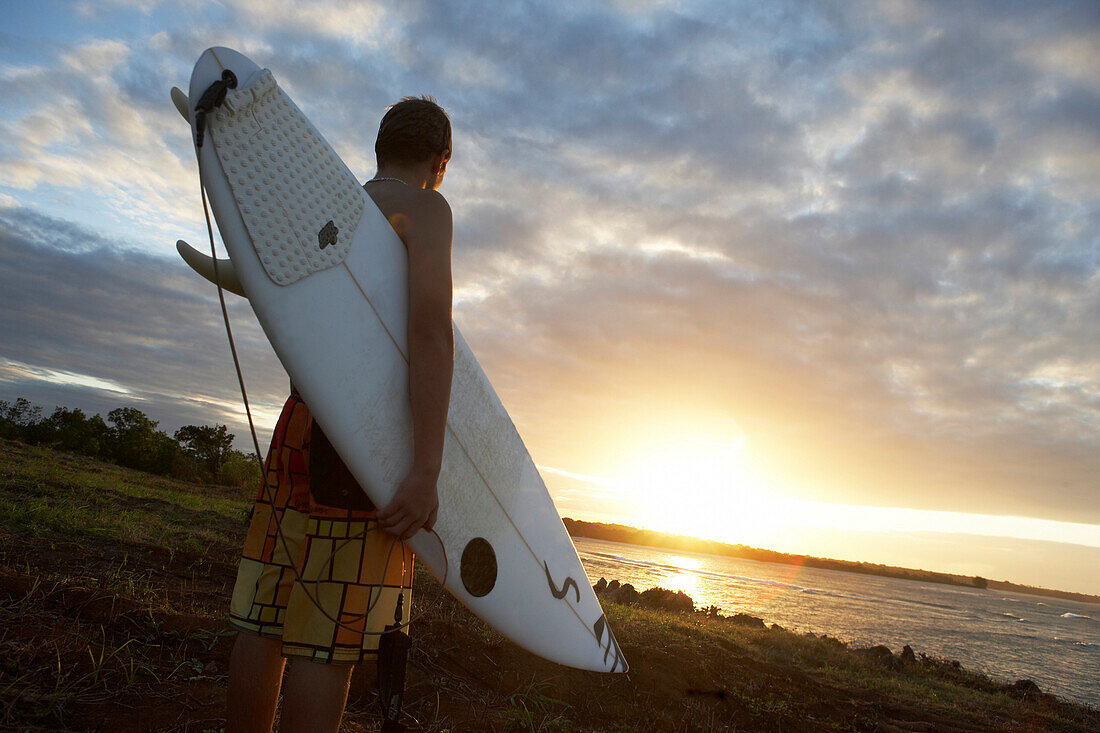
pixel 383 178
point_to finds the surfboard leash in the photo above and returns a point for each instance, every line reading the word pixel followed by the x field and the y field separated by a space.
pixel 210 99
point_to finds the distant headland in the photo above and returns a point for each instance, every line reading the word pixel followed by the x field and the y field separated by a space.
pixel 648 538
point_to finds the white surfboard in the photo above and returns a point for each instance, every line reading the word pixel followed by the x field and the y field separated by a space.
pixel 326 276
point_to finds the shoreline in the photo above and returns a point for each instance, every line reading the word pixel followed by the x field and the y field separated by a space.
pixel 648 538
pixel 662 599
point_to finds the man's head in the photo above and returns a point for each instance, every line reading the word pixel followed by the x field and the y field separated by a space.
pixel 414 130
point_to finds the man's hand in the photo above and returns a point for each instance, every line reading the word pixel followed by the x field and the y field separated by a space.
pixel 413 507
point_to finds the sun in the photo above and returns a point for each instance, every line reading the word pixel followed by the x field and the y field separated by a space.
pixel 703 486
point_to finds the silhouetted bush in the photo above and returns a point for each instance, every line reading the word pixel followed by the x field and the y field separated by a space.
pixel 241 469
pixel 667 600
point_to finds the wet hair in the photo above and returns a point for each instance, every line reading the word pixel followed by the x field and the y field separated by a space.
pixel 412 131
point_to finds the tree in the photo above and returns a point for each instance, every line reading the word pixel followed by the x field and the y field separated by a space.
pixel 136 442
pixel 70 430
pixel 208 444
pixel 19 420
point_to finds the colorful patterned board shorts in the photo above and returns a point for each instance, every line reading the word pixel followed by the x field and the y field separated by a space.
pixel 345 562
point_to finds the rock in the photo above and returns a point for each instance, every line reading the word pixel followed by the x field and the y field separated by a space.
pixel 600 586
pixel 1021 689
pixel 625 594
pixel 907 655
pixel 613 585
pixel 881 655
pixel 777 627
pixel 744 619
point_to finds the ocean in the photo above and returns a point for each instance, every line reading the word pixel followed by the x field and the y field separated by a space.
pixel 1008 636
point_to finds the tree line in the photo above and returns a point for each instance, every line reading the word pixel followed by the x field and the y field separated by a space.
pixel 198 453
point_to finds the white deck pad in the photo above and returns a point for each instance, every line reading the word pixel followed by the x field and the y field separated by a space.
pixel 298 200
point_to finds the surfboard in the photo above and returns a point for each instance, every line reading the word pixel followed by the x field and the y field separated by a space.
pixel 327 278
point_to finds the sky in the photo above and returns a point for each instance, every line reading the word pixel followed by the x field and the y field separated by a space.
pixel 822 277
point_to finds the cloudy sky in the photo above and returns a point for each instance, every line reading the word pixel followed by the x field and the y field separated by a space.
pixel 822 277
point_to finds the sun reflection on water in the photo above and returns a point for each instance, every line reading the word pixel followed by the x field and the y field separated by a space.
pixel 682 578
pixel 687 582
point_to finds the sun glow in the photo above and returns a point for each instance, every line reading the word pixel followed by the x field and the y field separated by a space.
pixel 702 486
pixel 681 575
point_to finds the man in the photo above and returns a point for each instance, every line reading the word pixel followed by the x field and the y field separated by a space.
pixel 277 616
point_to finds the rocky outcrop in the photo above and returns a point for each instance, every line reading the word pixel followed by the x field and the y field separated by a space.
pixel 881 656
pixel 744 619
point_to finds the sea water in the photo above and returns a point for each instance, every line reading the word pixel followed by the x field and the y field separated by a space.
pixel 1008 636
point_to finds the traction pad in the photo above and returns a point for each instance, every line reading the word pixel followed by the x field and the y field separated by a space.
pixel 299 202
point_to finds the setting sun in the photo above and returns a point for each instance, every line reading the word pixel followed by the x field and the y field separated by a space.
pixel 701 485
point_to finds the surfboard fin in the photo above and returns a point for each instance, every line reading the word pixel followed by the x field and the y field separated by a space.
pixel 181 101
pixel 204 265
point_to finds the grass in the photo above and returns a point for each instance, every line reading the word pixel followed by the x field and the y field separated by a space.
pixel 53 494
pixel 113 593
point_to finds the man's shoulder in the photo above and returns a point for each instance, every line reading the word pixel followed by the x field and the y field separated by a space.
pixel 416 203
pixel 411 210
pixel 429 203
pixel 425 222
pixel 427 209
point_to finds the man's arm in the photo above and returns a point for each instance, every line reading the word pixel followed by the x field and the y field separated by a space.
pixel 431 364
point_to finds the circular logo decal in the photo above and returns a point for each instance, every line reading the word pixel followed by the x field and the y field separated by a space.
pixel 479 567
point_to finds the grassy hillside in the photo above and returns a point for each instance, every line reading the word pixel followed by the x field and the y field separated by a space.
pixel 114 586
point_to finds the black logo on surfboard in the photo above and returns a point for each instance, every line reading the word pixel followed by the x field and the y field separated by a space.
pixel 557 592
pixel 327 235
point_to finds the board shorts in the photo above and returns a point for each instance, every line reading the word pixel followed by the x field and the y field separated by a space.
pixel 345 561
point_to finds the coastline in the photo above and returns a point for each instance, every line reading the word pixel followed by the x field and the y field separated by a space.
pixel 649 538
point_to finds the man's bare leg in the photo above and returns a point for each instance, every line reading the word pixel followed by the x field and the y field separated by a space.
pixel 314 696
pixel 255 673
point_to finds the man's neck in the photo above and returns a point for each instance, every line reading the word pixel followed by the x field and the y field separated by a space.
pixel 417 176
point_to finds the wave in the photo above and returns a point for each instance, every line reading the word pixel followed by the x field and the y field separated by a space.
pixel 1076 615
pixel 832 594
pixel 929 604
pixel 1086 646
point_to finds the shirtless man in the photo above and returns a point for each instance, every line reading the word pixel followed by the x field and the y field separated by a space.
pixel 276 619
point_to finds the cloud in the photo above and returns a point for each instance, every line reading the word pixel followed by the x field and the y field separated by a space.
pixel 869 237
pixel 126 328
pixel 88 122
